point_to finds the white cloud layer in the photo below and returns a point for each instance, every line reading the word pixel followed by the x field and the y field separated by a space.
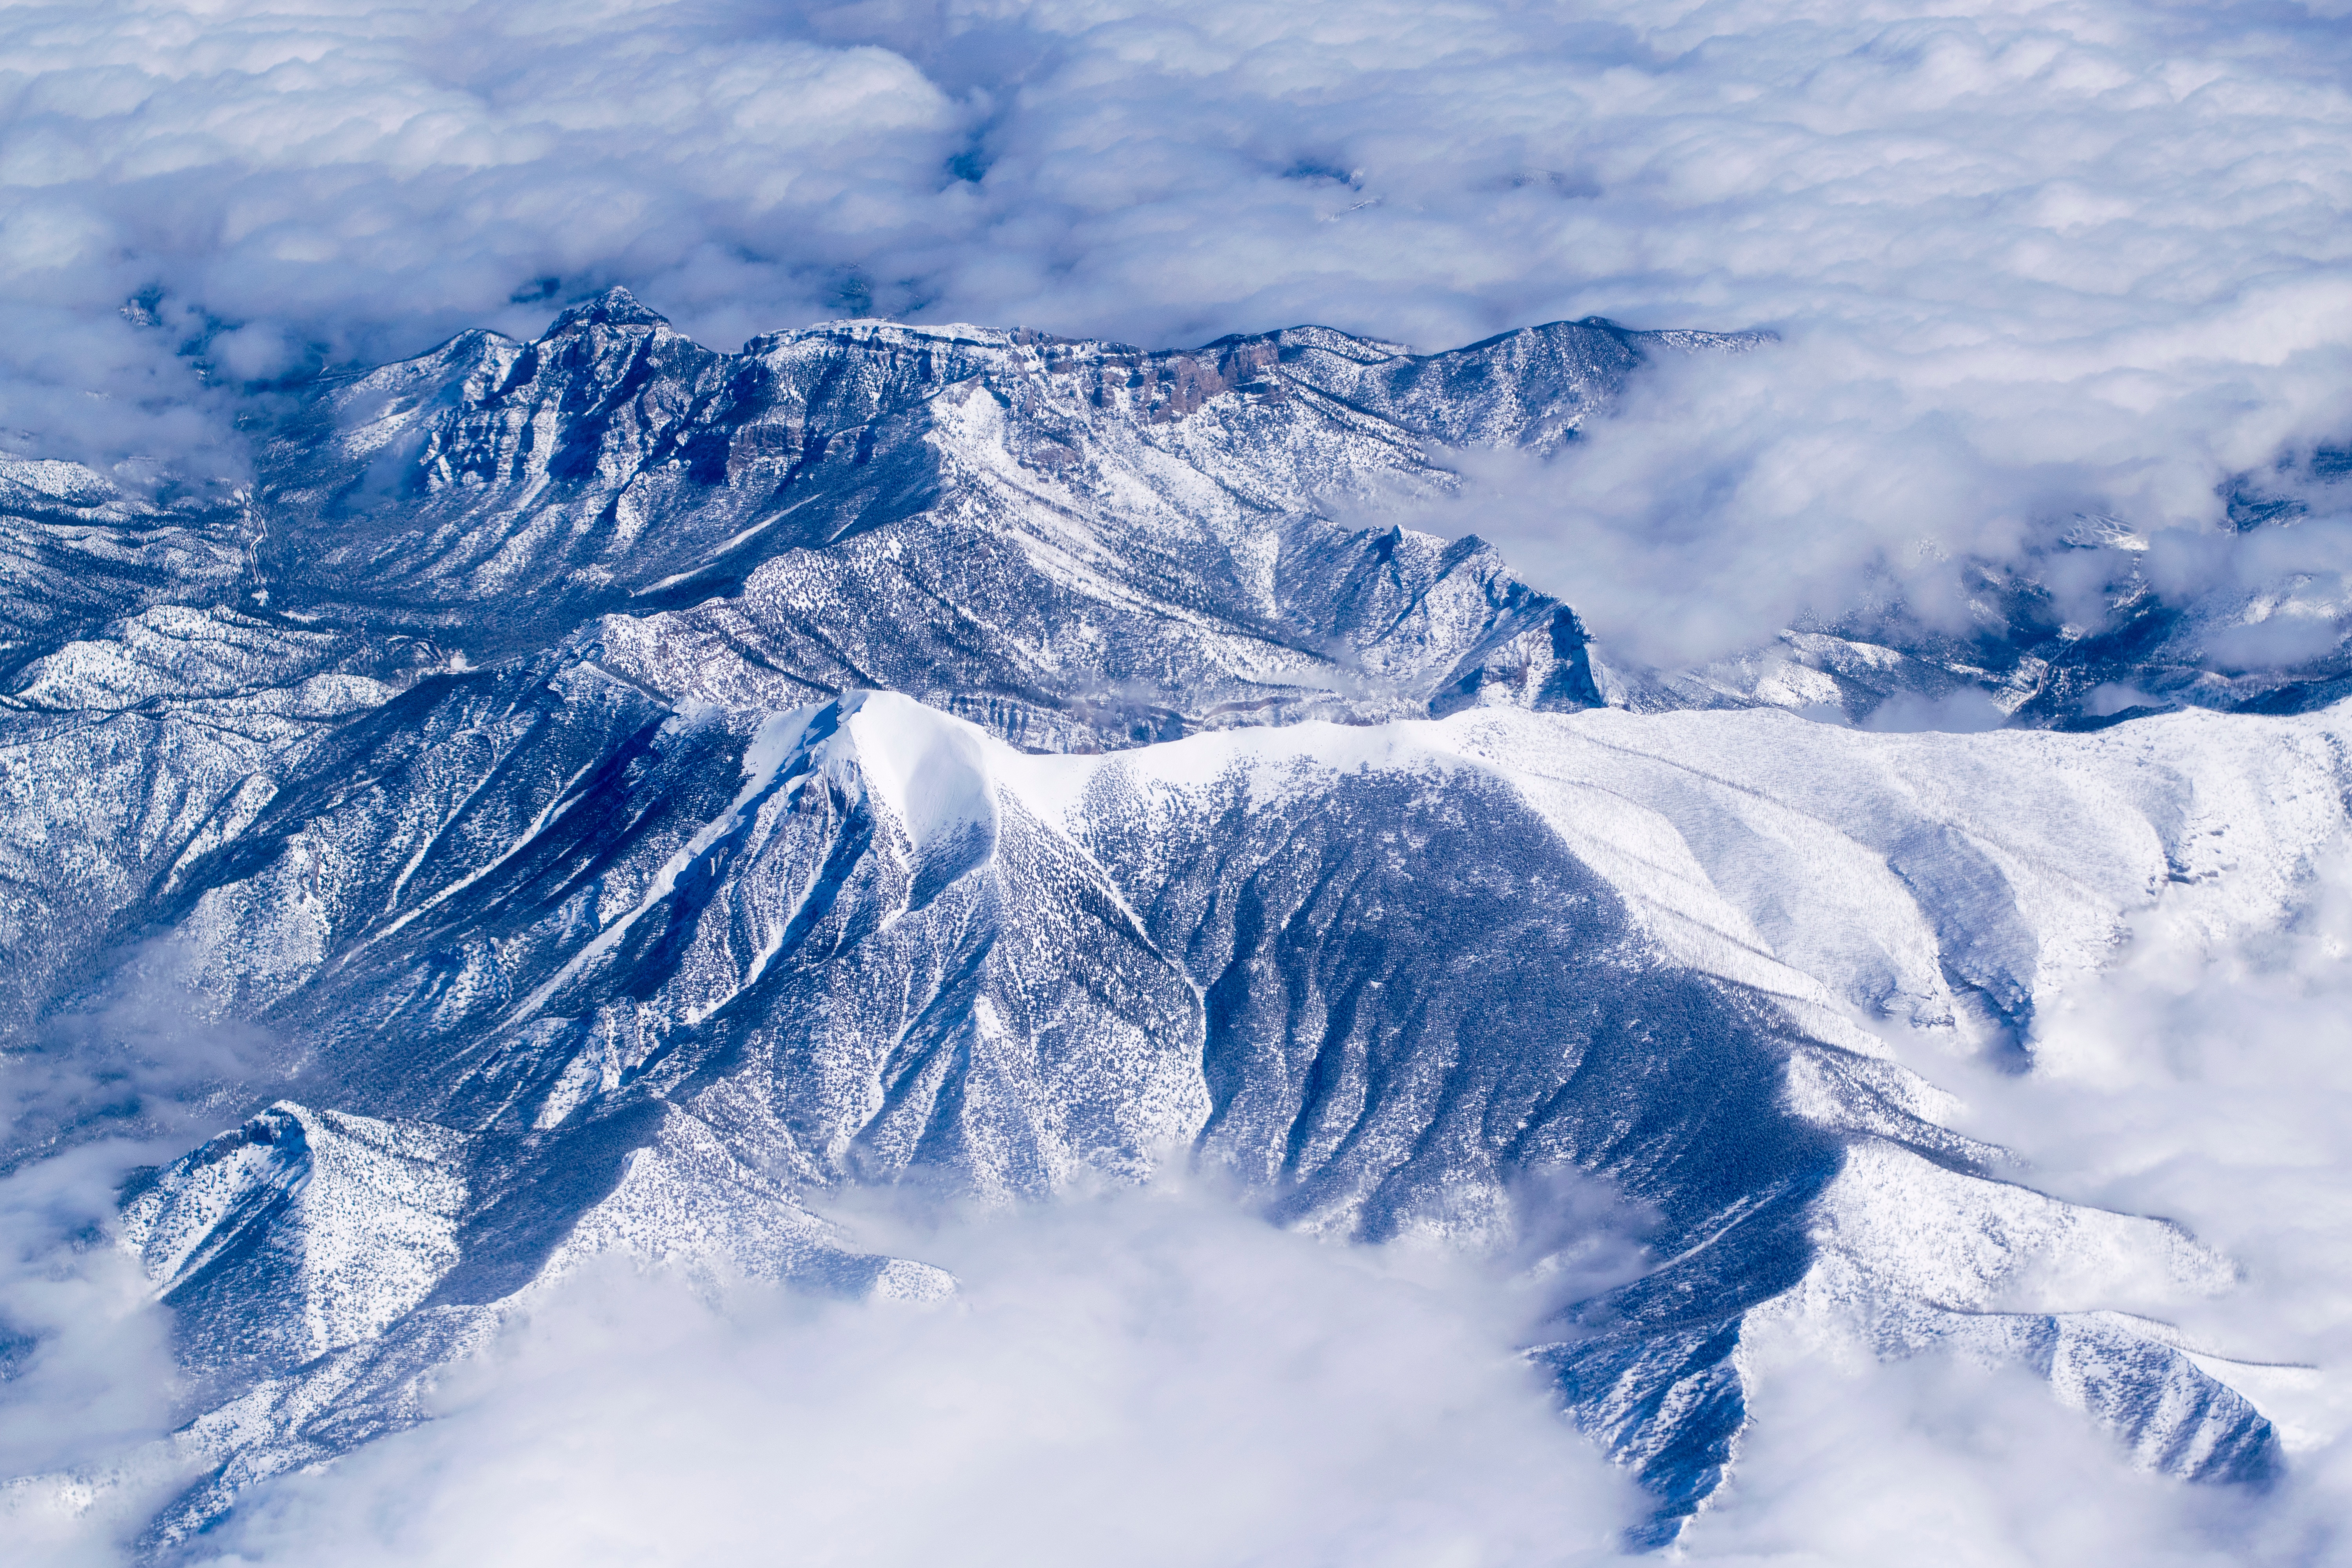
pixel 1146 1378
pixel 86 1377
pixel 2030 258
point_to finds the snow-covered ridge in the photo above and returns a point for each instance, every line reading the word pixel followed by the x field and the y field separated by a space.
pixel 1078 544
pixel 639 790
pixel 1381 972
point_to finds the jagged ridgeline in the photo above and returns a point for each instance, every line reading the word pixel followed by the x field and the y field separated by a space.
pixel 636 790
pixel 1073 545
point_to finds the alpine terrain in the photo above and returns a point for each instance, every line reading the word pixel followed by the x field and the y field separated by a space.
pixel 626 792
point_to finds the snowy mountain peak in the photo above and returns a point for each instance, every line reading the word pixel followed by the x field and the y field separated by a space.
pixel 615 307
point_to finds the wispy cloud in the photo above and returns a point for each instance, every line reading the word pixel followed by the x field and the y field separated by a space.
pixel 139 1055
pixel 87 1377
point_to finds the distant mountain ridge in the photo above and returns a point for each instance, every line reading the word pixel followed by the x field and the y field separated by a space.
pixel 1137 544
pixel 1076 543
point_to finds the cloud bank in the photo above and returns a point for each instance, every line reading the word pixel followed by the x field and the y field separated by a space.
pixel 86 1377
pixel 2029 259
pixel 1153 1377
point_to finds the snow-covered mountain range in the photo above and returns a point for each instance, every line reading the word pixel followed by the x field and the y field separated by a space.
pixel 638 791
